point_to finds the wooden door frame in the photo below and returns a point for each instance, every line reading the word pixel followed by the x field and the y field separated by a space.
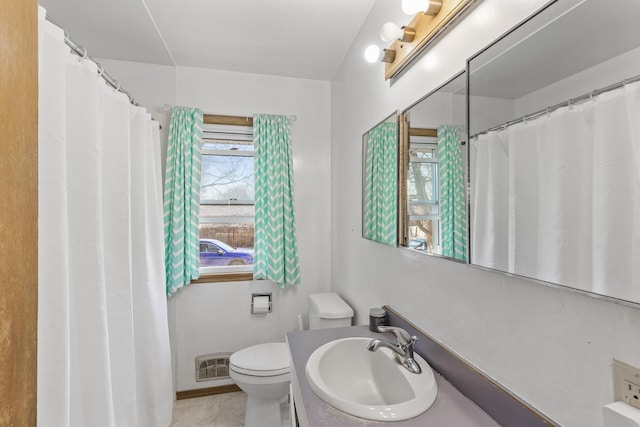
pixel 19 211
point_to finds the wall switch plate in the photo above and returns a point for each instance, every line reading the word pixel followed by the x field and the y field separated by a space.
pixel 626 383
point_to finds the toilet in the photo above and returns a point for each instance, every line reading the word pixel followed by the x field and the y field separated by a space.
pixel 262 371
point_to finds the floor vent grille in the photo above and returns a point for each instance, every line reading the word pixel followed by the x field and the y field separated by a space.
pixel 212 366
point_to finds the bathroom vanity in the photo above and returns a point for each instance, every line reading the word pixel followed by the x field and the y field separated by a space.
pixel 450 408
pixel 492 406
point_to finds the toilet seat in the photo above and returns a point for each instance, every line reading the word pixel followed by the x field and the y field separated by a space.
pixel 262 360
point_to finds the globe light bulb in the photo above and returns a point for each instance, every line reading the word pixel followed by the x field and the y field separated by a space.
pixel 411 7
pixel 390 31
pixel 372 54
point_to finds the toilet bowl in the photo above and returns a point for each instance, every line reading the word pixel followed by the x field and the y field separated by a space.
pixel 262 371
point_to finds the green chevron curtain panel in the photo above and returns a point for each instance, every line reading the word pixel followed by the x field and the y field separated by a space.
pixel 182 198
pixel 453 217
pixel 275 245
pixel 381 184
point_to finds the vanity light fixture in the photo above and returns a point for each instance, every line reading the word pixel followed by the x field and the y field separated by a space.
pixel 432 19
pixel 374 54
pixel 428 7
pixel 390 32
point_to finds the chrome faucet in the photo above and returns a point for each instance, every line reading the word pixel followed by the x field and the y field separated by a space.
pixel 403 349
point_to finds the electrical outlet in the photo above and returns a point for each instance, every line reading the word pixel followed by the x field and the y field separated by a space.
pixel 631 394
pixel 626 383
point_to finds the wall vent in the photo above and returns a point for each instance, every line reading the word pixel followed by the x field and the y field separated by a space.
pixel 212 366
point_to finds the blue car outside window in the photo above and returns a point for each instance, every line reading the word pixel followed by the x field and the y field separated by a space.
pixel 214 253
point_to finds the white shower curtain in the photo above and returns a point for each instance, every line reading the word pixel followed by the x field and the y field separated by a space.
pixel 558 198
pixel 103 339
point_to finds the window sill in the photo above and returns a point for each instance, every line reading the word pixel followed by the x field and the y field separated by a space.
pixel 224 277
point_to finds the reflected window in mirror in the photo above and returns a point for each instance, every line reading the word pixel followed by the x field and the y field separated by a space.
pixel 380 182
pixel 433 209
pixel 423 193
pixel 555 149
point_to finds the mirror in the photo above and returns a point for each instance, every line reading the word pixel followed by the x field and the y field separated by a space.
pixel 380 182
pixel 554 124
pixel 433 208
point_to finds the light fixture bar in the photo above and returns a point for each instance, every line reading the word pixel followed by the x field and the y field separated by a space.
pixel 388 56
pixel 408 35
pixel 390 32
pixel 428 28
pixel 433 7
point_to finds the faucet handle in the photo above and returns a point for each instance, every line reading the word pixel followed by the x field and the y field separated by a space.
pixel 403 336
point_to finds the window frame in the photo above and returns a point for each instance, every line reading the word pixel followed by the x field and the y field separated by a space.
pixel 227 273
pixel 410 135
pixel 431 143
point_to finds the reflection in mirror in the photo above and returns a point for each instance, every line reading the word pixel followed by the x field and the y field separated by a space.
pixel 380 182
pixel 433 208
pixel 554 114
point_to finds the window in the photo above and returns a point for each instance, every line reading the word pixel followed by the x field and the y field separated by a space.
pixel 423 195
pixel 226 200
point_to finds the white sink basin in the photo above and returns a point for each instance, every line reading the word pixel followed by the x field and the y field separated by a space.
pixel 370 385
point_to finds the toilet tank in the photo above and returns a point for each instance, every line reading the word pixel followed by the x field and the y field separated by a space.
pixel 328 310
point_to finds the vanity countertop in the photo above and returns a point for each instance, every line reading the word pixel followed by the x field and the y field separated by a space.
pixel 451 408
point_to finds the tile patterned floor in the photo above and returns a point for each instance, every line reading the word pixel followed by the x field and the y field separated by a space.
pixel 221 410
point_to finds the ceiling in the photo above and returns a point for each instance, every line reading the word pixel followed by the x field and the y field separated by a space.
pixel 292 38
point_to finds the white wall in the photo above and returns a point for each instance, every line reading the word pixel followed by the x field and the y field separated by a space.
pixel 434 111
pixel 487 112
pixel 552 347
pixel 210 318
pixel 608 72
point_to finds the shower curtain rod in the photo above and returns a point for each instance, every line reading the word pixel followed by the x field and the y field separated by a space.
pixel 81 51
pixel 573 101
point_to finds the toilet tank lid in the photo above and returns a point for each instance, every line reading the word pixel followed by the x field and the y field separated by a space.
pixel 329 305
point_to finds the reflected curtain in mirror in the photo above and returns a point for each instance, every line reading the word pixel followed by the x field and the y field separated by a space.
pixel 380 184
pixel 275 246
pixel 568 186
pixel 453 212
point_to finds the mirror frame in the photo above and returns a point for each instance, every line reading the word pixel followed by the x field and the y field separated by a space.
pixel 545 9
pixel 403 163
